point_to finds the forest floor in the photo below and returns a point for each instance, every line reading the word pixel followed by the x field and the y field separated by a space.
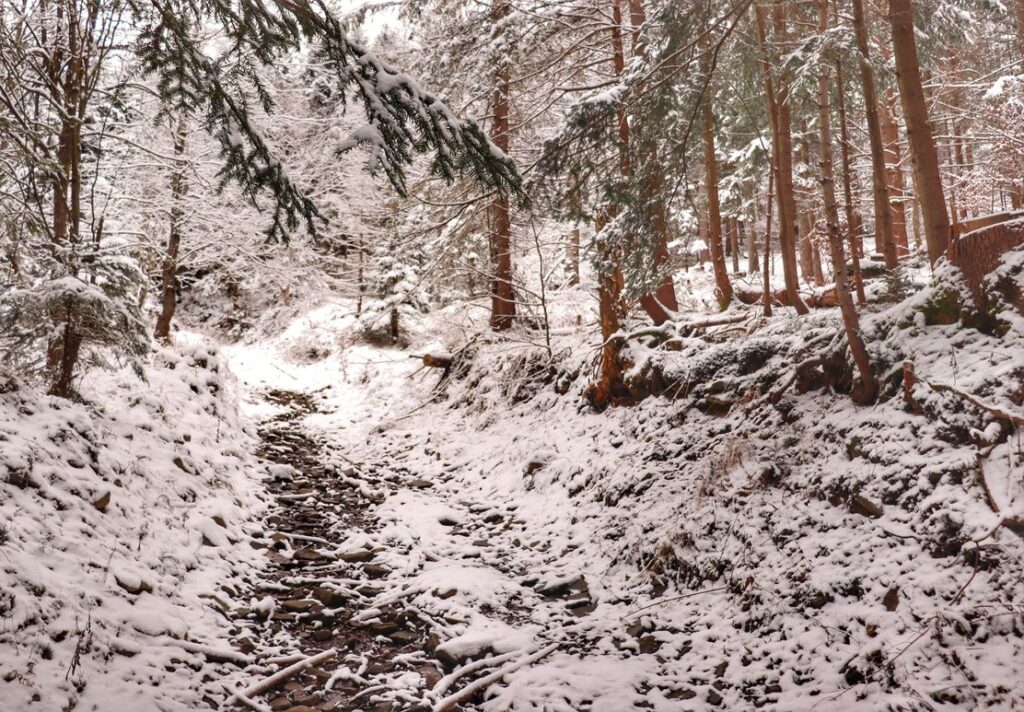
pixel 496 546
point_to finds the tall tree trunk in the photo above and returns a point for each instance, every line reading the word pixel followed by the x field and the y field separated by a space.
pixel 1019 16
pixel 503 300
pixel 169 266
pixel 782 142
pixel 766 296
pixel 924 157
pixel 68 73
pixel 611 311
pixel 734 241
pixel 609 384
pixel 750 238
pixel 883 216
pixel 894 175
pixel 662 303
pixel 723 288
pixel 851 322
pixel 853 220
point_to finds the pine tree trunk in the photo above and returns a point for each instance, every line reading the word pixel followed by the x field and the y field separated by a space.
pixel 609 384
pixel 503 301
pixel 169 266
pixel 894 175
pixel 750 238
pixel 883 217
pixel 851 322
pixel 723 288
pixel 924 156
pixel 734 240
pixel 782 149
pixel 1019 16
pixel 766 296
pixel 853 220
pixel 67 86
pixel 662 303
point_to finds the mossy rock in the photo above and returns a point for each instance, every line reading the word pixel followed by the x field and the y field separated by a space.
pixel 946 307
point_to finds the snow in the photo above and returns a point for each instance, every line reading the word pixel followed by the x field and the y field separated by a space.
pixel 113 584
pixel 721 556
pixel 664 556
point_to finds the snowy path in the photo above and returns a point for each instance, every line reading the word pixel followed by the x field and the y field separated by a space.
pixel 336 582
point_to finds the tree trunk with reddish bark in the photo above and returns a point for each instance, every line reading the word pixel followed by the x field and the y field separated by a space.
pixel 853 219
pixel 782 155
pixel 169 266
pixel 925 159
pixel 868 390
pixel 503 300
pixel 880 185
pixel 894 175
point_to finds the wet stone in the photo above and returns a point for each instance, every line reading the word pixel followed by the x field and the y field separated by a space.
pixel 376 570
pixel 357 557
pixel 329 597
pixel 404 637
pixel 298 605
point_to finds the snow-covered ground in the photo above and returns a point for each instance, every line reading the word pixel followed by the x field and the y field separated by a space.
pixel 748 542
pixel 679 554
pixel 123 535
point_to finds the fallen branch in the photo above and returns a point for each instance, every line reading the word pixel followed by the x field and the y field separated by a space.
pixel 303 537
pixel 281 675
pixel 214 655
pixel 675 598
pixel 448 680
pixel 1000 413
pixel 484 682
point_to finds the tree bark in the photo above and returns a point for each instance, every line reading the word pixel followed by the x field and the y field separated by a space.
pixel 883 217
pixel 503 300
pixel 924 157
pixel 68 70
pixel 851 322
pixel 894 175
pixel 750 238
pixel 609 384
pixel 723 288
pixel 660 305
pixel 766 278
pixel 169 266
pixel 853 220
pixel 734 241
pixel 782 149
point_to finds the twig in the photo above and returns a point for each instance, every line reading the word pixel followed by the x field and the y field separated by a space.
pixel 484 682
pixel 448 680
pixel 675 598
pixel 995 410
pixel 277 678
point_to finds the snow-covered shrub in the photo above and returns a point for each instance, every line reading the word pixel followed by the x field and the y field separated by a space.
pixel 398 296
pixel 91 298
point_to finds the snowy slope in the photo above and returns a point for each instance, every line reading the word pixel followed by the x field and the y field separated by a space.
pixel 123 537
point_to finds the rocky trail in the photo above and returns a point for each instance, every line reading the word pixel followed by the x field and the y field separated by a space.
pixel 329 588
